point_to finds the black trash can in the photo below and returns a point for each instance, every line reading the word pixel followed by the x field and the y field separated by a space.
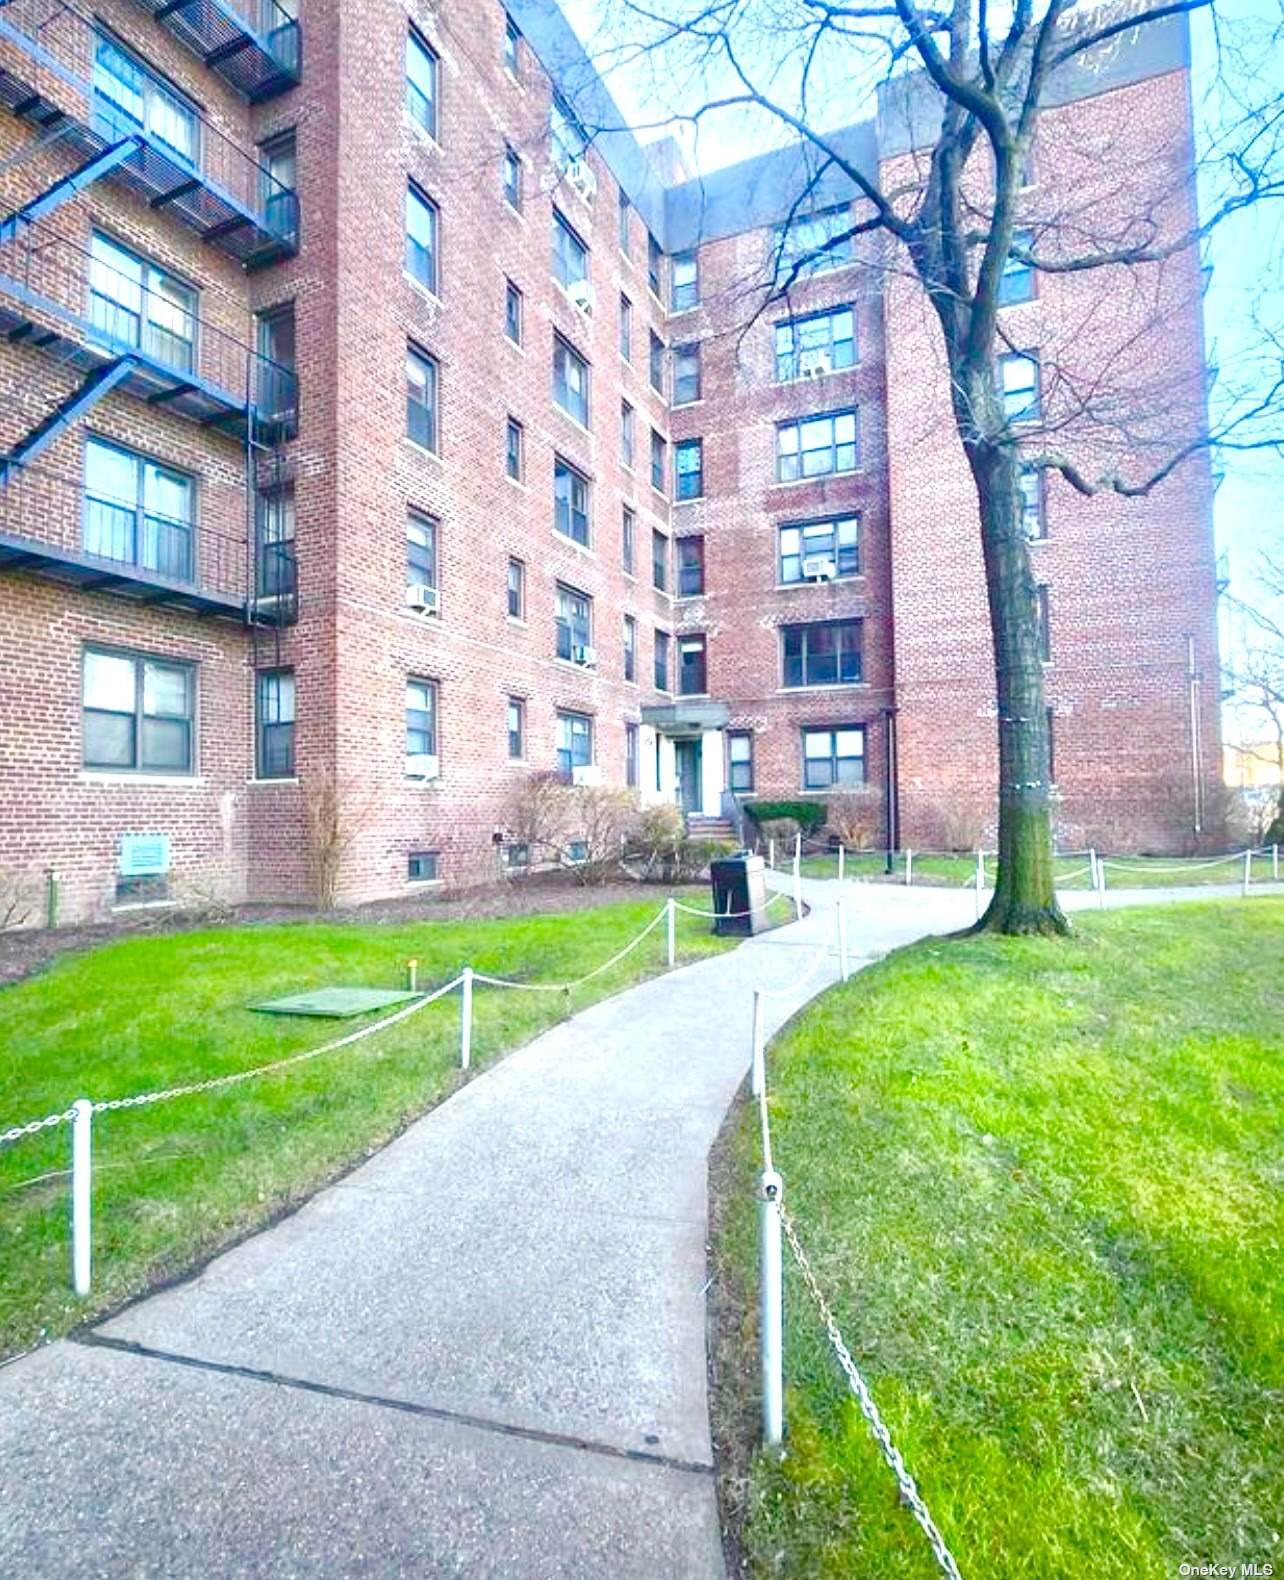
pixel 739 894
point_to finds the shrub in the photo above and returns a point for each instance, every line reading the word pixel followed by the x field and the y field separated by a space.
pixel 662 831
pixel 809 815
pixel 554 818
pixel 854 819
pixel 782 830
pixel 19 892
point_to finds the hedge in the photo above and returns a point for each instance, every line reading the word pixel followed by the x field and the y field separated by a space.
pixel 809 815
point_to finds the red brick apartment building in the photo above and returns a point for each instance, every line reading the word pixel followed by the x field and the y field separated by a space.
pixel 358 422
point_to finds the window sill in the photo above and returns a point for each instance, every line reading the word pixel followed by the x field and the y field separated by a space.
pixel 690 499
pixel 95 776
pixel 575 669
pixel 517 620
pixel 428 294
pixel 580 548
pixel 424 883
pixel 828 581
pixel 292 779
pixel 422 449
pixel 687 405
pixel 814 378
pixel 514 345
pixel 421 134
pixel 824 477
pixel 573 420
pixel 517 483
pixel 824 685
pixel 681 312
pixel 423 784
pixel 144 905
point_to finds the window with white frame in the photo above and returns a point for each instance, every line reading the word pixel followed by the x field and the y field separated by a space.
pixel 819 446
pixel 816 343
pixel 1034 515
pixel 139 713
pixel 516 727
pixel 626 328
pixel 688 469
pixel 630 648
pixel 516 590
pixel 421 552
pixel 686 374
pixel 570 501
pixel 513 449
pixel 819 550
pixel 740 761
pixel 659 460
pixel 513 313
pixel 570 380
pixel 421 238
pixel 568 136
pixel 823 653
pixel 574 742
pixel 512 178
pixel 833 757
pixel 628 540
pixel 570 255
pixel 422 71
pixel 661 660
pixel 274 724
pixel 693 678
pixel 1019 384
pixel 421 398
pixel 1016 283
pixel 512 47
pixel 628 434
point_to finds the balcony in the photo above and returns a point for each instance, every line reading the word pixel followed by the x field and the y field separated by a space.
pixel 84 92
pixel 52 526
pixel 79 307
pixel 252 44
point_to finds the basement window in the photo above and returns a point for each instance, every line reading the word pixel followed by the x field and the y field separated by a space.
pixel 421 866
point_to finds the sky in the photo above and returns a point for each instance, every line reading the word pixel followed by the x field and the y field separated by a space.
pixel 1246 253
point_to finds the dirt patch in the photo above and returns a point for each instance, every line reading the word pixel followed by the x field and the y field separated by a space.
pixel 30 950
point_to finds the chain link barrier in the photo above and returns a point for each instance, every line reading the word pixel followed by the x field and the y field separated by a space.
pixel 565 987
pixel 723 916
pixel 16 1132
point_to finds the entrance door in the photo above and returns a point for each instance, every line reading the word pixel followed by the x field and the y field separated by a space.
pixel 688 764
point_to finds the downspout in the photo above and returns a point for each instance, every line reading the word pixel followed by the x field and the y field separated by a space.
pixel 891 785
pixel 1197 783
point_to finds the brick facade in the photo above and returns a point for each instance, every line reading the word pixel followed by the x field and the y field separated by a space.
pixel 1129 582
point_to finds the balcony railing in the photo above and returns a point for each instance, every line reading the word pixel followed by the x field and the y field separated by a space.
pixel 51 525
pixel 85 310
pixel 61 72
pixel 252 44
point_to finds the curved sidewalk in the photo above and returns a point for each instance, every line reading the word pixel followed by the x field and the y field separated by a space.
pixel 480 1354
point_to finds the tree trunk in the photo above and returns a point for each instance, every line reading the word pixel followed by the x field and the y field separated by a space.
pixel 1025 898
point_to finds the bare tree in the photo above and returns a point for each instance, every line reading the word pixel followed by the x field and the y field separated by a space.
pixel 950 219
pixel 1257 682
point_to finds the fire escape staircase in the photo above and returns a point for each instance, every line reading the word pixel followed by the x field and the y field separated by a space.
pixel 67 187
pixel 97 383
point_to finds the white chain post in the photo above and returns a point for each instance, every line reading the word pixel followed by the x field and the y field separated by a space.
pixel 1094 877
pixel 980 881
pixel 1275 863
pixel 670 927
pixel 1101 884
pixel 842 853
pixel 771 1317
pixel 757 1064
pixel 798 847
pixel 412 975
pixel 82 1120
pixel 842 941
pixel 466 1018
pixel 798 905
pixel 909 868
pixel 1248 869
pixel 771 854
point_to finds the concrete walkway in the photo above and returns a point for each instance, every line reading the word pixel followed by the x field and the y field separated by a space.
pixel 480 1354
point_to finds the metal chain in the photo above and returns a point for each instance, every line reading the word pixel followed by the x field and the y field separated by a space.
pixel 17 1132
pixel 910 1495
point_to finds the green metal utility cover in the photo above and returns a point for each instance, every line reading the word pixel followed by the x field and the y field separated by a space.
pixel 336 1003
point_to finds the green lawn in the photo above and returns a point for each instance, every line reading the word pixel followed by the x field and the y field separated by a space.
pixel 178 1179
pixel 1041 1183
pixel 1130 872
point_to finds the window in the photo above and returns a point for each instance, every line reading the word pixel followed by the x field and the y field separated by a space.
pixel 816 446
pixel 834 757
pixel 275 573
pixel 824 654
pixel 686 375
pixel 628 430
pixel 513 313
pixel 421 83
pixel 1019 382
pixel 570 381
pixel 277 385
pixel 513 449
pixel 421 866
pixel 569 137
pixel 690 567
pixel 570 501
pixel 518 854
pixel 623 227
pixel 570 255
pixel 812 243
pixel 516 726
pixel 421 398
pixel 692 667
pixel 661 660
pixel 421 551
pixel 573 626
pixel 688 468
pixel 138 512
pixel 128 98
pixel 1016 283
pixel 684 281
pixel 512 47
pixel 1043 615
pixel 659 561
pixel 274 724
pixel 626 328
pixel 512 179
pixel 421 239
pixel 658 452
pixel 740 761
pixel 628 543
pixel 516 590
pixel 278 177
pixel 630 648
pixel 421 727
pixel 576 851
pixel 816 344
pixel 657 363
pixel 139 713
pixel 134 303
pixel 654 263
pixel 574 742
pixel 819 550
pixel 631 756
pixel 1034 515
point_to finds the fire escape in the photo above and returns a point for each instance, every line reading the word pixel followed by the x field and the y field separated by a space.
pixel 118 329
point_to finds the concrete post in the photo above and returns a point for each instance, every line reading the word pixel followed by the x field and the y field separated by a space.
pixel 81 1195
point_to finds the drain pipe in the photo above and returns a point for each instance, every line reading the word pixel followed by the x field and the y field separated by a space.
pixel 890 787
pixel 1197 785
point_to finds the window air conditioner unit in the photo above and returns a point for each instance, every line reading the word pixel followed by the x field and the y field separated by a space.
pixel 586 774
pixel 580 174
pixel 819 568
pixel 421 597
pixel 421 765
pixel 811 364
pixel 581 293
pixel 586 656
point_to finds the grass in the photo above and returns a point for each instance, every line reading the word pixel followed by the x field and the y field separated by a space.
pixel 1041 1183
pixel 1127 872
pixel 175 1181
